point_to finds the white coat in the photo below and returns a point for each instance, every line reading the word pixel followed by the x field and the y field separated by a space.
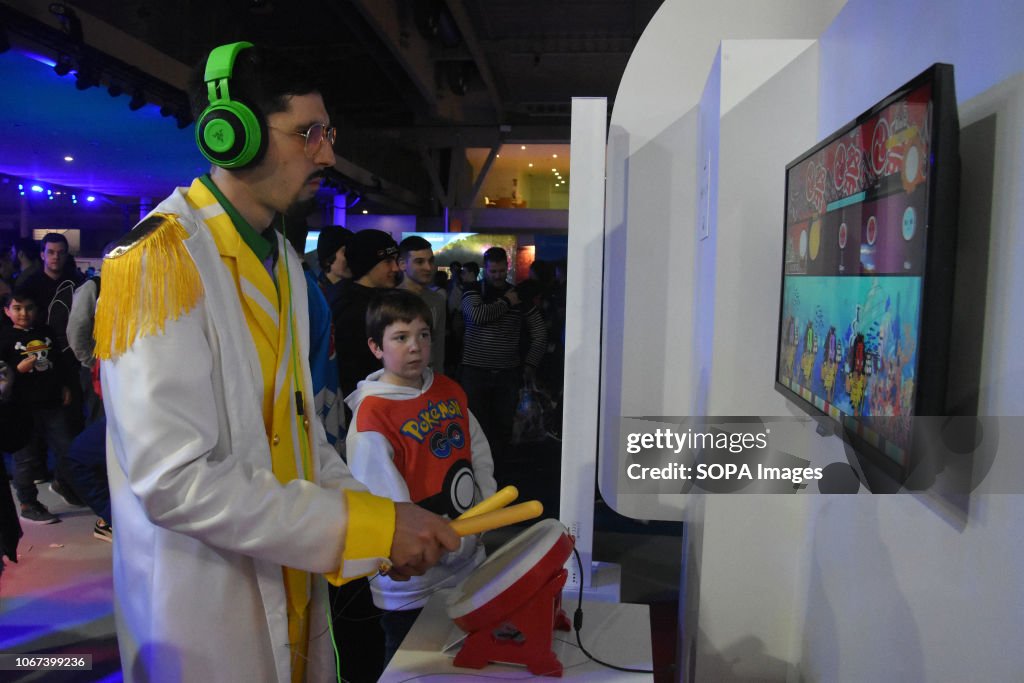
pixel 201 525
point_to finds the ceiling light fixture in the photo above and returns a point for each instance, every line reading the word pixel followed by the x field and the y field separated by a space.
pixel 85 77
pixel 522 147
pixel 63 65
pixel 69 158
pixel 138 100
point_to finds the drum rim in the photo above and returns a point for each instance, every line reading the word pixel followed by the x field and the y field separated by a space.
pixel 461 604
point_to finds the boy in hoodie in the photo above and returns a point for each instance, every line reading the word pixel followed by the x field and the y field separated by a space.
pixel 412 438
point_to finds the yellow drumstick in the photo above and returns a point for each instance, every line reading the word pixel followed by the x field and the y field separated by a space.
pixel 495 502
pixel 497 518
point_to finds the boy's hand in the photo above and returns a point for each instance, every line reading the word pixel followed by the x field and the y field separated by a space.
pixel 421 537
pixel 26 364
pixel 65 396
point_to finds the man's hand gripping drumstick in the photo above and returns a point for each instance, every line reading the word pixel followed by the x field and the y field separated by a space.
pixel 421 537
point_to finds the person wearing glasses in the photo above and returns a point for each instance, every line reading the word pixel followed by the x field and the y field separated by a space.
pixel 232 508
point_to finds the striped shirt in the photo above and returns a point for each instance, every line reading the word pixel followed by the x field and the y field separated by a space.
pixel 493 329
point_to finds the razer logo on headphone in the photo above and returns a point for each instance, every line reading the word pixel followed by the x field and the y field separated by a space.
pixel 442 442
pixel 219 135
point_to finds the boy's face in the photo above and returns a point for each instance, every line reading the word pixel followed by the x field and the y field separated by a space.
pixel 21 313
pixel 405 352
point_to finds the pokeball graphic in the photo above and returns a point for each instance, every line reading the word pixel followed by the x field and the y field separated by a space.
pixel 842 235
pixel 461 487
pixel 909 223
pixel 456 491
pixel 871 232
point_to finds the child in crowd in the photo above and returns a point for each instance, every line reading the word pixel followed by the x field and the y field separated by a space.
pixel 42 387
pixel 412 438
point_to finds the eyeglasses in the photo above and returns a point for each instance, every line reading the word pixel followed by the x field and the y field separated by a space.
pixel 315 137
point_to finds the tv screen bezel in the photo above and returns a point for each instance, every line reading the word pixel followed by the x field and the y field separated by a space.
pixel 937 283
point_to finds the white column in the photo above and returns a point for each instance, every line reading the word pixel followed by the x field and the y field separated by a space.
pixel 583 327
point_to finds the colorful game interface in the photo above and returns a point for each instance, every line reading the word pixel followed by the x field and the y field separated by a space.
pixel 854 263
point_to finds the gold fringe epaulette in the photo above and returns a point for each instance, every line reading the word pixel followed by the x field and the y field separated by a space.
pixel 148 278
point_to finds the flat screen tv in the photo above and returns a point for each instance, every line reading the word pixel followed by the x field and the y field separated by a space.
pixel 867 272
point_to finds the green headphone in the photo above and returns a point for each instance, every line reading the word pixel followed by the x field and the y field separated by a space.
pixel 229 132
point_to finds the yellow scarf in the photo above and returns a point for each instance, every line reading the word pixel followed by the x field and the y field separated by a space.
pixel 267 308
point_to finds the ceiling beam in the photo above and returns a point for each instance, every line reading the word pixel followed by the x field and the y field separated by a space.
pixel 114 42
pixel 411 50
pixel 462 20
pixel 381 190
pixel 491 156
pixel 433 137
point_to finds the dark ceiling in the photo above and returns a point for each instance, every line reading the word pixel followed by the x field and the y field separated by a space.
pixel 412 82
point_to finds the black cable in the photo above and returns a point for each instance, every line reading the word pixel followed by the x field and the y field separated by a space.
pixel 577 624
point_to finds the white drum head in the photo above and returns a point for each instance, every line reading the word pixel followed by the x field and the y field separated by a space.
pixel 505 567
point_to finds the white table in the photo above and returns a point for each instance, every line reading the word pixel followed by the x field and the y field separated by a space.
pixel 614 632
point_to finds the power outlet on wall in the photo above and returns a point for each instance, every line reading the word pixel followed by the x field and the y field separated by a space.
pixel 574 579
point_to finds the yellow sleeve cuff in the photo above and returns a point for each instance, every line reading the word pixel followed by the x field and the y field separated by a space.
pixel 370 530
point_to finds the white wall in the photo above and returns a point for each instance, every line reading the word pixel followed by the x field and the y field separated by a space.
pixel 824 588
pixel 750 610
pixel 659 296
pixel 896 590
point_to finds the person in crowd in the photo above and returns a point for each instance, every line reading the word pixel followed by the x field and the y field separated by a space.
pixel 231 506
pixel 330 254
pixel 468 275
pixel 25 254
pixel 446 468
pixel 53 288
pixel 372 256
pixel 79 333
pixel 492 369
pixel 416 259
pixel 440 284
pixel 13 436
pixel 6 270
pixel 87 473
pixel 454 274
pixel 323 361
pixel 41 388
pixel 87 456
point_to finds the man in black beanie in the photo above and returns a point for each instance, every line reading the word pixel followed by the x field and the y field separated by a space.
pixel 372 257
